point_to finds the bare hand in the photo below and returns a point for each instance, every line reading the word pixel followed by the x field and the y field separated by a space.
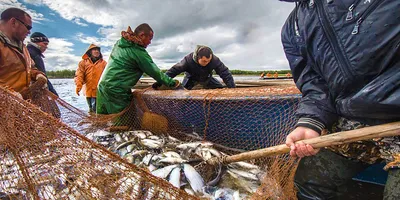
pixel 77 91
pixel 300 149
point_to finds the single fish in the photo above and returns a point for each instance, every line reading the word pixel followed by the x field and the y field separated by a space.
pixel 194 178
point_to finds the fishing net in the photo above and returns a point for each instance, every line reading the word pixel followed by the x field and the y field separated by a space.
pixel 45 154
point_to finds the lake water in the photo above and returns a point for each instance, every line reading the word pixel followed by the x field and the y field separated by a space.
pixel 66 89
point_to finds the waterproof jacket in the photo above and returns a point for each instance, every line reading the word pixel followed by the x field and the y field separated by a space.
pixel 345 60
pixel 198 73
pixel 37 58
pixel 89 73
pixel 127 63
pixel 16 66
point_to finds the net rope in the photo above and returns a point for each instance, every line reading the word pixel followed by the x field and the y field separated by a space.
pixel 52 150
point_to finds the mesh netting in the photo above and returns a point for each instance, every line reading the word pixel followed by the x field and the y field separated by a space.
pixel 48 156
pixel 42 158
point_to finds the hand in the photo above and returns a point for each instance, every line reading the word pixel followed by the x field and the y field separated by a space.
pixel 156 85
pixel 300 149
pixel 178 86
pixel 26 93
pixel 78 89
pixel 41 77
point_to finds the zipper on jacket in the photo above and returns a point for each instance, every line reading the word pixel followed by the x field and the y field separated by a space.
pixel 332 38
pixel 366 13
pixel 349 15
pixel 311 4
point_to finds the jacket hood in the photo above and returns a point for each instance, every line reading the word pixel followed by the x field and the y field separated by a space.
pixel 92 46
pixel 196 51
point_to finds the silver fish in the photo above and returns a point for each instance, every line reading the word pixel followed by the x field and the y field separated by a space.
pixel 244 174
pixel 194 178
pixel 118 137
pixel 175 177
pixel 152 144
pixel 163 172
pixel 172 160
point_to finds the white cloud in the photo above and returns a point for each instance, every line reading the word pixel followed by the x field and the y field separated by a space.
pixel 79 22
pixel 244 34
pixel 36 17
pixel 60 56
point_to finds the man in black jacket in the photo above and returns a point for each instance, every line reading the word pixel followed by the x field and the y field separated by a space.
pixel 344 57
pixel 198 67
pixel 36 47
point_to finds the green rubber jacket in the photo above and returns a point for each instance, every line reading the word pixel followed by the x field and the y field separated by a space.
pixel 127 63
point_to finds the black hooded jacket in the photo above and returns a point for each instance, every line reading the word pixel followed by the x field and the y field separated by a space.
pixel 345 60
pixel 198 73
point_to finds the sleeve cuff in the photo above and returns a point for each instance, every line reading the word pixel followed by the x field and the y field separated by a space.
pixel 311 124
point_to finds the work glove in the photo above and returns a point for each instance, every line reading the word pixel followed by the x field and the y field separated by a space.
pixel 178 86
pixel 156 85
pixel 159 86
pixel 78 89
pixel 26 93
pixel 41 81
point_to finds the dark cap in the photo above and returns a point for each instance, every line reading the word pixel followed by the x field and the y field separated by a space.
pixel 39 37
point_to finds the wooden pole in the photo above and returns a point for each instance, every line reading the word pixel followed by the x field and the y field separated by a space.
pixel 385 130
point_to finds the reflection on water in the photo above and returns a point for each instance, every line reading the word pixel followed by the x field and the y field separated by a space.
pixel 66 90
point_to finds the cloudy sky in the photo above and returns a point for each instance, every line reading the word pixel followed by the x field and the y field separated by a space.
pixel 244 34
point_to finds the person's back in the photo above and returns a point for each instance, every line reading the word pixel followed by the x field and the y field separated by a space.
pixel 346 64
pixel 127 63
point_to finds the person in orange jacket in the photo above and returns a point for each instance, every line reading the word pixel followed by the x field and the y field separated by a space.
pixel 276 75
pixel 88 73
pixel 16 66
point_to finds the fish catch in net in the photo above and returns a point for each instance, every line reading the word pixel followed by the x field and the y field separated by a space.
pixel 154 149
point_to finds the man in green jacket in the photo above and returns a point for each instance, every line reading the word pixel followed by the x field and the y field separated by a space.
pixel 127 63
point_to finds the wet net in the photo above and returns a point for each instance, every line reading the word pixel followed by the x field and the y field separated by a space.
pixel 154 149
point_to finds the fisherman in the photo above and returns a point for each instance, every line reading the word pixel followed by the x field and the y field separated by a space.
pixel 128 61
pixel 262 75
pixel 347 67
pixel 198 67
pixel 16 67
pixel 36 47
pixel 276 75
pixel 88 73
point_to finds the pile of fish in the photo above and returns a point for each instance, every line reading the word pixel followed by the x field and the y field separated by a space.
pixel 181 163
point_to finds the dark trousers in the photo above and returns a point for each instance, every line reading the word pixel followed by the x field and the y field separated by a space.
pixel 325 175
pixel 91 101
pixel 210 83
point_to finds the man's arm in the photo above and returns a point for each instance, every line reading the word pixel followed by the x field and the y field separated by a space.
pixel 224 73
pixel 177 68
pixel 316 110
pixel 147 65
pixel 80 76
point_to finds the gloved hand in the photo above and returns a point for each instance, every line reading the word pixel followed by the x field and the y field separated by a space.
pixel 41 81
pixel 159 86
pixel 78 89
pixel 156 85
pixel 41 77
pixel 178 86
pixel 26 93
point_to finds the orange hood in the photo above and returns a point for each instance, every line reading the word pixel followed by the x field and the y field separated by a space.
pixel 92 46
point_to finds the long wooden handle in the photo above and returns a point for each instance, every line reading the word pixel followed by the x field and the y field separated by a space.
pixel 385 130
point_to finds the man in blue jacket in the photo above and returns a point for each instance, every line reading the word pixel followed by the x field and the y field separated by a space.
pixel 36 47
pixel 198 67
pixel 345 59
